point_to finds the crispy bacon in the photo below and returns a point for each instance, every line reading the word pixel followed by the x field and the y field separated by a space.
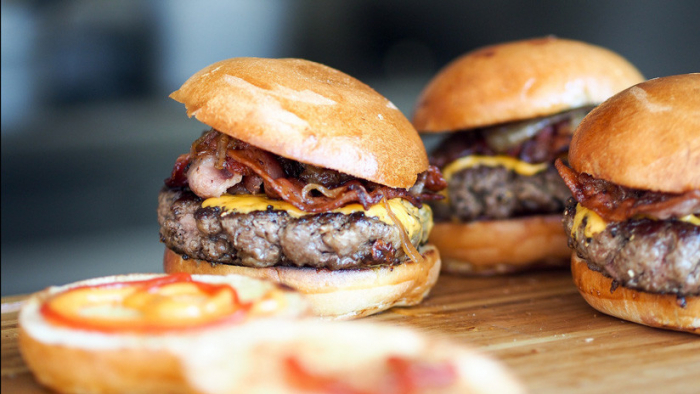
pixel 178 177
pixel 540 140
pixel 284 179
pixel 617 203
pixel 434 180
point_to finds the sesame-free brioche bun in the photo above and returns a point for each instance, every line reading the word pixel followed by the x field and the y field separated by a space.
pixel 520 80
pixel 310 113
pixel 296 357
pixel 341 294
pixel 501 246
pixel 72 360
pixel 645 137
pixel 654 310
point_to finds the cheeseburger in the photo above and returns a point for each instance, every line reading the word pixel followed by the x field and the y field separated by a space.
pixel 634 219
pixel 307 177
pixel 509 111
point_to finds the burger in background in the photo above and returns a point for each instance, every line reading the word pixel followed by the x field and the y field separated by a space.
pixel 510 110
pixel 309 178
pixel 634 219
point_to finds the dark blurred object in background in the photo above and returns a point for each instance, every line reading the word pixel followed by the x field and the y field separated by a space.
pixel 88 133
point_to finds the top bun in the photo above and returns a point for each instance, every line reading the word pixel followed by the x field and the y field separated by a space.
pixel 646 137
pixel 307 112
pixel 521 80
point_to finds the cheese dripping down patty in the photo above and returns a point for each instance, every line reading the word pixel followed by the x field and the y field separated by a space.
pixel 415 222
pixel 596 224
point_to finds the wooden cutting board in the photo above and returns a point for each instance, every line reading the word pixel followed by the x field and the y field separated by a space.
pixel 536 323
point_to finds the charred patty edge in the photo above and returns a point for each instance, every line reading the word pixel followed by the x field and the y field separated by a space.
pixel 655 256
pixel 496 193
pixel 274 238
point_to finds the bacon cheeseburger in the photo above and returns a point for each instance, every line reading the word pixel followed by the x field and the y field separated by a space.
pixel 308 177
pixel 635 220
pixel 510 110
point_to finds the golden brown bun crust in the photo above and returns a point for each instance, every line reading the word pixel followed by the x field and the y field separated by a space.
pixel 307 112
pixel 342 294
pixel 501 246
pixel 520 80
pixel 79 361
pixel 654 310
pixel 65 369
pixel 645 137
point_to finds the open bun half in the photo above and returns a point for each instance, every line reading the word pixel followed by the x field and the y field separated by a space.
pixel 520 80
pixel 501 246
pixel 645 137
pixel 71 360
pixel 350 357
pixel 268 355
pixel 655 310
pixel 341 294
pixel 310 113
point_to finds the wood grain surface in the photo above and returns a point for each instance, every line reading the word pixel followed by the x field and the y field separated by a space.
pixel 536 323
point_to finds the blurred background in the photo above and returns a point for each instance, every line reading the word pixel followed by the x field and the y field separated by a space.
pixel 89 133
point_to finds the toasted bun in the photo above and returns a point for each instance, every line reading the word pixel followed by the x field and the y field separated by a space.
pixel 265 355
pixel 646 137
pixel 520 80
pixel 77 361
pixel 346 356
pixel 655 310
pixel 501 246
pixel 310 113
pixel 342 294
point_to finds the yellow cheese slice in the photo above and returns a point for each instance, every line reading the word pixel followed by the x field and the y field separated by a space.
pixel 417 221
pixel 596 224
pixel 519 166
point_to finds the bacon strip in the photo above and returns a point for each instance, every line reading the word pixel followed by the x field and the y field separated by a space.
pixel 280 178
pixel 292 190
pixel 617 203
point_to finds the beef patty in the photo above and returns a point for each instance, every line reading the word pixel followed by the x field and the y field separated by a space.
pixel 657 256
pixel 274 238
pixel 486 193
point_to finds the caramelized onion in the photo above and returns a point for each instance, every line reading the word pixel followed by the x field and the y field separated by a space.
pixel 406 244
pixel 221 146
pixel 504 137
pixel 330 193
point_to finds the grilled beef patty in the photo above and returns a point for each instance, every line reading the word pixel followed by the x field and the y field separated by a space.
pixel 273 238
pixel 487 193
pixel 657 256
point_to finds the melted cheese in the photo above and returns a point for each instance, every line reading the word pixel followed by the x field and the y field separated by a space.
pixel 595 224
pixel 417 221
pixel 508 162
pixel 692 219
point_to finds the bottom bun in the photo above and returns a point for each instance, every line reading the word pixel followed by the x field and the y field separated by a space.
pixel 70 369
pixel 501 246
pixel 80 360
pixel 654 310
pixel 341 294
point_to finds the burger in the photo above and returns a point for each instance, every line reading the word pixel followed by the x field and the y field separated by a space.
pixel 634 219
pixel 307 177
pixel 506 112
